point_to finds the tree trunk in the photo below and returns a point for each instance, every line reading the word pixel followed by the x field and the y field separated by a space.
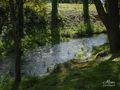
pixel 86 11
pixel 1 18
pixel 111 24
pixel 54 17
pixel 55 23
pixel 16 15
pixel 87 17
pixel 19 32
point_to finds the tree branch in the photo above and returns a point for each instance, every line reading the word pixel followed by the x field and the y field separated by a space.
pixel 101 11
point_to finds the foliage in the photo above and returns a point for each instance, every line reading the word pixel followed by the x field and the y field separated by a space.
pixel 37 24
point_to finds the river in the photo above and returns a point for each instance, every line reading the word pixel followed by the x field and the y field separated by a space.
pixel 37 61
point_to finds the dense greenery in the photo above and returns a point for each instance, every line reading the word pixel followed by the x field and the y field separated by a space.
pixel 27 24
pixel 37 24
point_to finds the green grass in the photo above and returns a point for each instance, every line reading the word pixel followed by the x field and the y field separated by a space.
pixel 73 75
pixel 76 7
pixel 71 17
pixel 86 76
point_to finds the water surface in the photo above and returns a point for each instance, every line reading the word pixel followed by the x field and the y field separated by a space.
pixel 37 61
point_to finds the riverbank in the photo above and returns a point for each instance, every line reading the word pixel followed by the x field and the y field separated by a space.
pixel 37 30
pixel 77 75
pixel 38 61
pixel 70 17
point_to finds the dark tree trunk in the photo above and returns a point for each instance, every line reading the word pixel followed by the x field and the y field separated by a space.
pixel 111 21
pixel 113 25
pixel 18 39
pixel 76 1
pixel 55 23
pixel 1 18
pixel 86 11
pixel 54 17
pixel 87 17
pixel 16 15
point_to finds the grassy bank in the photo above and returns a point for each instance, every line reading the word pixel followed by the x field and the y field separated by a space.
pixel 77 75
pixel 71 23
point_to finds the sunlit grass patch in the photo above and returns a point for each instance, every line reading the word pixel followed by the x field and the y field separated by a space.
pixel 78 7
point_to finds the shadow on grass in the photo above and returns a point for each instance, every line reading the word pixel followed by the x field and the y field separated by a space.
pixel 93 79
pixel 70 75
